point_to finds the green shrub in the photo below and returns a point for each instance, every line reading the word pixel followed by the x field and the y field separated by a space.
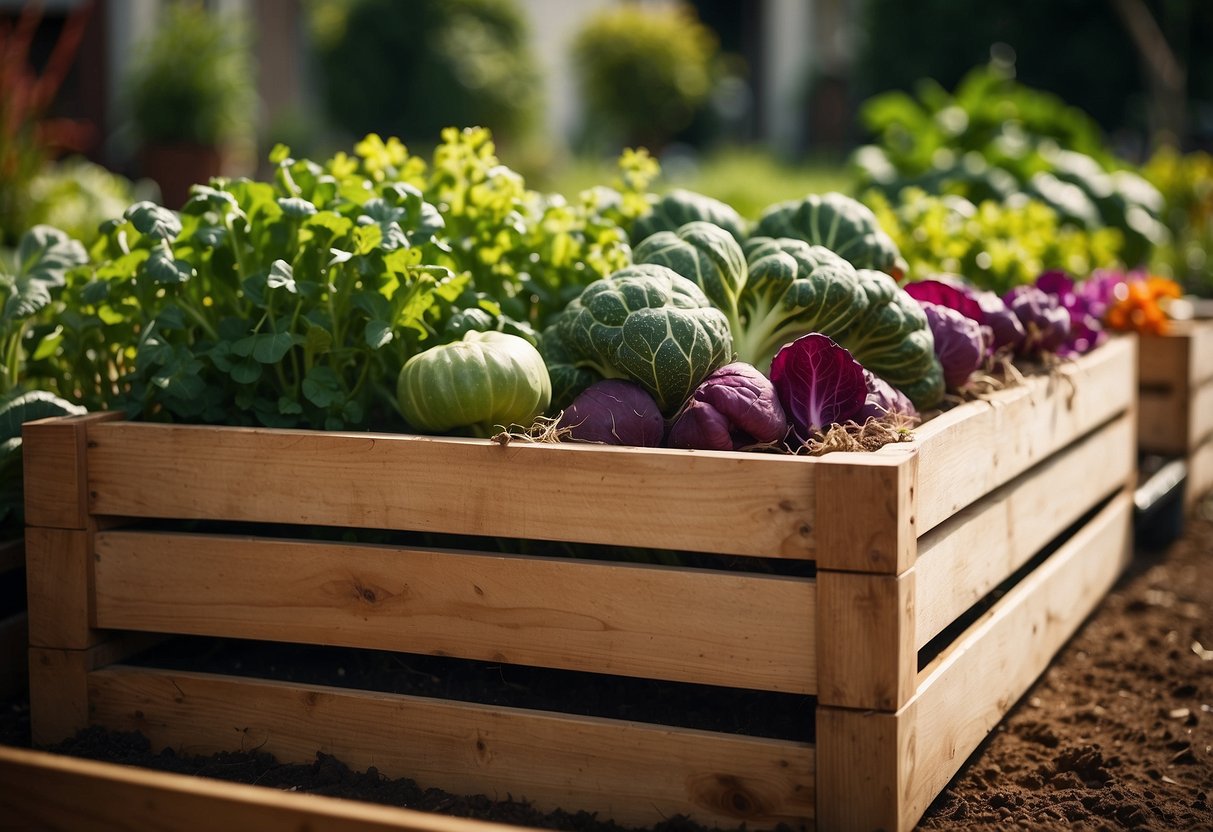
pixel 192 80
pixel 643 73
pixel 410 69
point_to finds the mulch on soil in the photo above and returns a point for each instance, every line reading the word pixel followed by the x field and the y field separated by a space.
pixel 1117 734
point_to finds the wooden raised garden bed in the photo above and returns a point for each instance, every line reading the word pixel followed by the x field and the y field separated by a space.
pixel 1176 410
pixel 934 581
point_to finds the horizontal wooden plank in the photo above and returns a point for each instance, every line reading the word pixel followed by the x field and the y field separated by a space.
pixel 1175 420
pixel 1164 361
pixel 631 772
pixel 65 794
pixel 881 770
pixel 968 689
pixel 961 560
pixel 1181 358
pixel 731 503
pixel 718 628
pixel 969 451
pixel 1162 421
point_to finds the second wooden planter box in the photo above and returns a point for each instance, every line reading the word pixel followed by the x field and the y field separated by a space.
pixel 1176 410
pixel 946 572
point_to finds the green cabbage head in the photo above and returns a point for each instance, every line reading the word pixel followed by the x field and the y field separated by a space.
pixel 485 380
pixel 794 288
pixel 845 226
pixel 894 340
pixel 648 324
pixel 705 254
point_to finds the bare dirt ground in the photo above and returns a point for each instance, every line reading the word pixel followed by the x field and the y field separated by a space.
pixel 1117 733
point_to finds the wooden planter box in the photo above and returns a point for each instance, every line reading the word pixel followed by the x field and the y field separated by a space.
pixel 905 542
pixel 1176 400
pixel 14 636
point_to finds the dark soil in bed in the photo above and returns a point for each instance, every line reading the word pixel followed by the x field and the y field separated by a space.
pixel 1117 734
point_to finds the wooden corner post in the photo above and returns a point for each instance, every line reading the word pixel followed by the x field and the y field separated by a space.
pixel 58 552
pixel 866 506
pixel 867 543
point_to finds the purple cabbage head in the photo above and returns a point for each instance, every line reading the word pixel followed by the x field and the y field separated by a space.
pixel 733 407
pixel 1045 321
pixel 819 383
pixel 960 344
pixel 883 399
pixel 1086 307
pixel 614 412
pixel 987 308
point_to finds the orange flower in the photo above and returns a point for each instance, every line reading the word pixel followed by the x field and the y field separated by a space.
pixel 1142 306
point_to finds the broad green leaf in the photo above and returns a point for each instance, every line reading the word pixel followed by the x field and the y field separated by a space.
pixel 221 356
pixel 373 304
pixel 155 221
pixel 289 407
pixel 352 411
pixel 205 198
pixel 367 238
pixel 46 254
pixel 279 153
pixel 321 387
pixel 270 348
pixel 49 344
pixel 329 223
pixel 164 269
pixel 378 334
pixel 246 371
pixel 296 207
pixel 25 299
pixel 243 347
pixel 35 404
pixel 318 340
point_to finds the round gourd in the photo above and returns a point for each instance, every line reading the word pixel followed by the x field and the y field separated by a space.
pixel 485 380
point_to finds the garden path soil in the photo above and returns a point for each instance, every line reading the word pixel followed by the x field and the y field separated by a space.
pixel 1117 734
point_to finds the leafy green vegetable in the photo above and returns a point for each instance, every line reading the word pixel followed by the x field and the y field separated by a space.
pixel 486 379
pixel 844 226
pixel 296 301
pixel 894 340
pixel 648 324
pixel 292 303
pixel 994 139
pixel 795 288
pixel 679 207
pixel 43 258
pixel 16 408
pixel 707 255
pixel 994 245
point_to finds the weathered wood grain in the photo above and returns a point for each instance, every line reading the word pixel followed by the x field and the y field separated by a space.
pixel 718 628
pixel 730 503
pixel 629 771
